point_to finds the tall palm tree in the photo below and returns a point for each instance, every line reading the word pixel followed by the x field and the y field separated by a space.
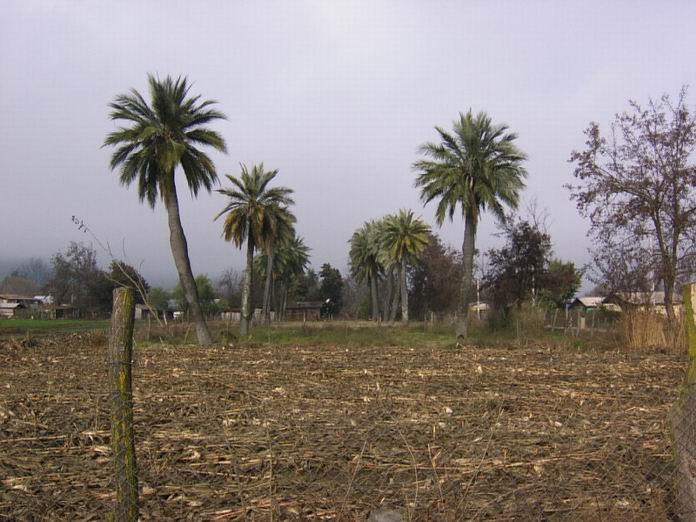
pixel 404 238
pixel 283 232
pixel 392 291
pixel 364 260
pixel 254 213
pixel 477 167
pixel 155 139
pixel 266 263
pixel 293 260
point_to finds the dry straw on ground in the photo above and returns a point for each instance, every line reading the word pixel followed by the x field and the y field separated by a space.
pixel 320 433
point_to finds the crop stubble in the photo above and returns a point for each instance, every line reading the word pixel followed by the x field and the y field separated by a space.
pixel 280 432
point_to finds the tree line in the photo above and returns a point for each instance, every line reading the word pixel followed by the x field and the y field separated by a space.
pixel 636 187
pixel 475 168
pixel 75 277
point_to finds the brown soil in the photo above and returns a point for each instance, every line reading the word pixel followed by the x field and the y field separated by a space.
pixel 287 433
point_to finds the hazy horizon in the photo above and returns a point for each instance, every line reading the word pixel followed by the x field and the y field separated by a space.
pixel 336 95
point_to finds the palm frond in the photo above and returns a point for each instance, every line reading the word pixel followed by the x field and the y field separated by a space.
pixel 255 211
pixel 162 134
pixel 476 167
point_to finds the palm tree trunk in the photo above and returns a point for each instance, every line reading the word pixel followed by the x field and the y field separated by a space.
pixel 388 294
pixel 375 299
pixel 274 300
pixel 404 292
pixel 278 300
pixel 177 241
pixel 395 300
pixel 468 269
pixel 247 311
pixel 267 288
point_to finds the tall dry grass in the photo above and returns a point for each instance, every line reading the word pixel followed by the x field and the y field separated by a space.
pixel 649 330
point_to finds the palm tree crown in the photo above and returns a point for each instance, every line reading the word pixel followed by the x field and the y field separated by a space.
pixel 255 211
pixel 365 253
pixel 404 237
pixel 163 135
pixel 291 258
pixel 477 167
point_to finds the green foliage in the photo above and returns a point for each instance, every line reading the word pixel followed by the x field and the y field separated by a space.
pixel 164 134
pixel 523 270
pixel 365 252
pixel 517 270
pixel 290 259
pixel 431 280
pixel 178 296
pixel 122 274
pixel 561 282
pixel 380 247
pixel 159 298
pixel 77 280
pixel 366 260
pixel 331 290
pixel 41 327
pixel 477 167
pixel 403 238
pixel 305 286
pixel 206 295
pixel 254 210
pixel 332 334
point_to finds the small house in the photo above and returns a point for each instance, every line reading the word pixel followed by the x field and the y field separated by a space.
pixel 587 303
pixel 304 311
pixel 654 301
pixel 11 310
pixel 144 312
pixel 25 300
pixel 64 311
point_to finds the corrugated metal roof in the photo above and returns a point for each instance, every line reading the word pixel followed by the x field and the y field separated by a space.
pixel 642 298
pixel 11 306
pixel 17 297
pixel 591 301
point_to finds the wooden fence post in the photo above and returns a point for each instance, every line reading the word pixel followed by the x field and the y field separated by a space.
pixel 684 418
pixel 120 380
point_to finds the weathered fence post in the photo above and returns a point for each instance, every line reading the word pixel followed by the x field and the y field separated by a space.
pixel 120 380
pixel 684 418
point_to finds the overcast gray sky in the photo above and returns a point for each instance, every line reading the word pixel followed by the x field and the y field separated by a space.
pixel 336 95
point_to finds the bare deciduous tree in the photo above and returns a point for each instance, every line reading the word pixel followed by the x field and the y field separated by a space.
pixel 638 188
